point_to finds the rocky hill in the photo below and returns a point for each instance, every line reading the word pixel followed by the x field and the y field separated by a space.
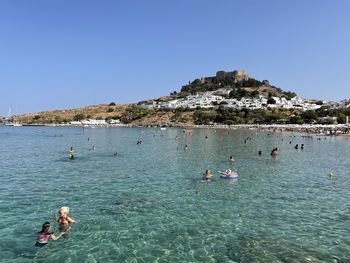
pixel 104 111
pixel 238 83
pixel 229 85
pixel 235 84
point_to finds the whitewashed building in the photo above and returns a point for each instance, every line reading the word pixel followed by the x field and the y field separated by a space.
pixel 209 100
pixel 93 122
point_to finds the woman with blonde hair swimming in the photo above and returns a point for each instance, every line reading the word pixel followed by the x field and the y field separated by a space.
pixel 63 219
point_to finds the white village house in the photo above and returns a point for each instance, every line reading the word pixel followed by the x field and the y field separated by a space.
pixel 209 100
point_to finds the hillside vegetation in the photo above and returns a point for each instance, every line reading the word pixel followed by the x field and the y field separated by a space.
pixel 236 84
pixel 104 111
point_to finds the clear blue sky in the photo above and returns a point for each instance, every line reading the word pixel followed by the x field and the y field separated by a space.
pixel 67 53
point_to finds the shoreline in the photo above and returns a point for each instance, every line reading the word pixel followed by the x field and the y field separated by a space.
pixel 316 129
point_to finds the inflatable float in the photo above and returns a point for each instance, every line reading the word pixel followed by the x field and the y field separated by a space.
pixel 224 175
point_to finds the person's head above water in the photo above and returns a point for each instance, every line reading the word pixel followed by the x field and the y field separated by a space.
pixel 45 227
pixel 64 210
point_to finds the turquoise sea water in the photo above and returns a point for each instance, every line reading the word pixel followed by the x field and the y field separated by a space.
pixel 149 204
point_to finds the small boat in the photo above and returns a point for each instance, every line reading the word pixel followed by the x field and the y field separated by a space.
pixel 162 128
pixel 224 175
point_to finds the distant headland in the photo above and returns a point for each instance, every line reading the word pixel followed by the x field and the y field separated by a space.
pixel 228 98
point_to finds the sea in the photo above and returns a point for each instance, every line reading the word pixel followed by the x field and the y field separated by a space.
pixel 147 202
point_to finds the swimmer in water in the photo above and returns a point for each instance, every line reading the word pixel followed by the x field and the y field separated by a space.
pixel 71 153
pixel 207 175
pixel 259 152
pixel 186 148
pixel 63 219
pixel 44 235
pixel 330 175
pixel 274 152
pixel 232 159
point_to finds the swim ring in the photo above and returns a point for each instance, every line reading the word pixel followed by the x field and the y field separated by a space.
pixel 223 175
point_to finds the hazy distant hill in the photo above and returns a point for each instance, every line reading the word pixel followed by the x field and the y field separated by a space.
pixel 104 111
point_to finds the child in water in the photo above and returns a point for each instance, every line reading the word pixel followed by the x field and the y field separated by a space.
pixel 44 235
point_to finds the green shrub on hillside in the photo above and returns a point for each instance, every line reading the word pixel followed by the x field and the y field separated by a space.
pixel 204 117
pixel 133 113
pixel 79 117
